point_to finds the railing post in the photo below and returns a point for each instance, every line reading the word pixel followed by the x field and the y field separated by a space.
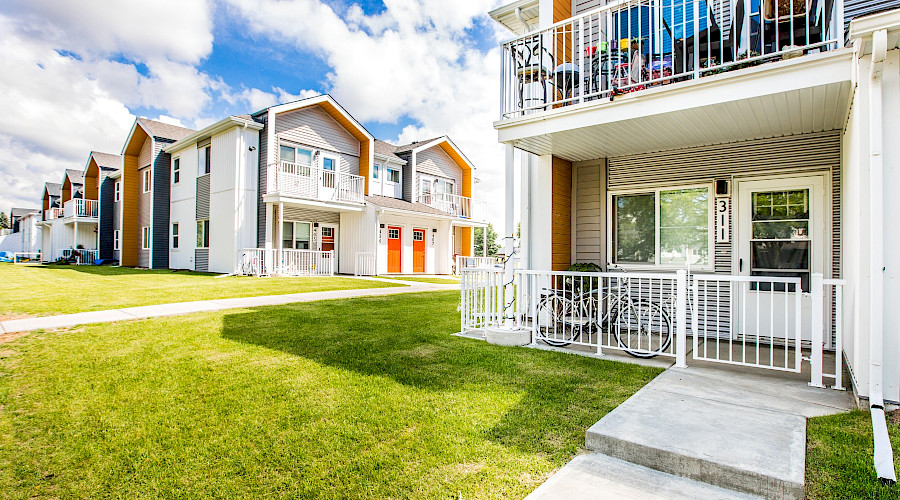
pixel 681 318
pixel 817 288
pixel 331 260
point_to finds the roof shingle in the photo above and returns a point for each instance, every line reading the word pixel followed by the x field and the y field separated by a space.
pixel 106 160
pixel 388 202
pixel 164 130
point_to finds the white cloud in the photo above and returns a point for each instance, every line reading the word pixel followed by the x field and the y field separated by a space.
pixel 256 99
pixel 413 59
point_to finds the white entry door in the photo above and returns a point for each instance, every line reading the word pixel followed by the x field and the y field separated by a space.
pixel 781 232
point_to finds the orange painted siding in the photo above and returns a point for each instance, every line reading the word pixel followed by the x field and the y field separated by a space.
pixel 561 216
pixel 130 234
pixel 90 180
pixel 466 241
pixel 66 192
pixel 562 10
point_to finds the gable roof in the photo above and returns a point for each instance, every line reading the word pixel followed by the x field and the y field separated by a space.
pixel 398 204
pixel 331 107
pixel 21 212
pixel 164 130
pixel 76 177
pixel 107 160
pixel 52 189
pixel 415 144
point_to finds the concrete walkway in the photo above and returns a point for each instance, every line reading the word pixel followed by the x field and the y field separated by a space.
pixel 178 308
pixel 700 432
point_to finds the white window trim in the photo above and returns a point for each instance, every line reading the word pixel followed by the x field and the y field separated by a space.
pixel 147 180
pixel 376 169
pixel 710 228
pixel 202 166
pixel 175 248
pixel 117 191
pixel 145 242
pixel 176 161
pixel 387 177
pixel 331 156
pixel 116 239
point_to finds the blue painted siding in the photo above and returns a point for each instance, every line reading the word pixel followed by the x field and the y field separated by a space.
pixel 107 210
pixel 161 194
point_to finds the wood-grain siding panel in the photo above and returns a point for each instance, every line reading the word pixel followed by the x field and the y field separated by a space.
pixel 561 214
pixel 130 210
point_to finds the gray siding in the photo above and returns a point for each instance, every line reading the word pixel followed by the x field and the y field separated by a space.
pixel 116 217
pixel 145 207
pixel 108 216
pixel 162 169
pixel 434 161
pixel 859 8
pixel 589 202
pixel 203 197
pixel 314 127
pixel 407 176
pixel 201 259
pixel 262 184
pixel 298 214
pixel 805 153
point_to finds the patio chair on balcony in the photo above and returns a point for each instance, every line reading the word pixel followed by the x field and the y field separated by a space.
pixel 533 64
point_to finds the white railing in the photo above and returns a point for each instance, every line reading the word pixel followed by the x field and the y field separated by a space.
pixel 81 256
pixel 466 262
pixel 629 45
pixel 79 207
pixel 286 262
pixel 456 205
pixel 755 321
pixel 365 264
pixel 53 213
pixel 27 257
pixel 315 183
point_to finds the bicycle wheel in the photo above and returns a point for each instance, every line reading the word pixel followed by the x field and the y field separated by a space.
pixel 553 321
pixel 642 329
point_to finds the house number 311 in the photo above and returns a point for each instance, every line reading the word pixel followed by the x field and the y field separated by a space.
pixel 722 220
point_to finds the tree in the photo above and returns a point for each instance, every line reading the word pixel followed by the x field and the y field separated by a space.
pixel 492 246
pixel 4 221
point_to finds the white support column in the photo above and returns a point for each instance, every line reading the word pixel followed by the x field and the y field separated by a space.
pixel 681 319
pixel 817 290
pixel 510 230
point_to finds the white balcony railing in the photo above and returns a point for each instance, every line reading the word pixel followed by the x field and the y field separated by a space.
pixel 286 262
pixel 79 256
pixel 630 45
pixel 315 183
pixel 456 205
pixel 79 207
pixel 365 264
pixel 53 213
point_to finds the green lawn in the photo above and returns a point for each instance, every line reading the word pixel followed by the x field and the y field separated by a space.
pixel 361 398
pixel 42 290
pixel 839 457
pixel 424 279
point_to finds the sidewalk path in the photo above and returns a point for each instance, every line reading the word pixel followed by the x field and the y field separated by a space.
pixel 178 308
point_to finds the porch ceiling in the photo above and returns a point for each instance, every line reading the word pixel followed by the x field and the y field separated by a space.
pixel 798 96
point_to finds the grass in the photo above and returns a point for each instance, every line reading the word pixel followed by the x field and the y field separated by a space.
pixel 357 398
pixel 424 279
pixel 52 289
pixel 839 457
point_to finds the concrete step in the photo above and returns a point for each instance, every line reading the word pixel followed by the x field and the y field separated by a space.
pixel 599 476
pixel 739 443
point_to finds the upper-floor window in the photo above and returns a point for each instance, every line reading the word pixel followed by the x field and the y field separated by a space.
pixel 146 182
pixel 176 170
pixel 393 175
pixel 329 163
pixel 117 190
pixel 205 159
pixel 375 171
pixel 203 233
pixel 436 185
pixel 295 160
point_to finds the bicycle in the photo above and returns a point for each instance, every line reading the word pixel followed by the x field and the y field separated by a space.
pixel 641 328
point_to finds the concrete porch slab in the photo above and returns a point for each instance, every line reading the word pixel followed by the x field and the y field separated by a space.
pixel 602 477
pixel 740 431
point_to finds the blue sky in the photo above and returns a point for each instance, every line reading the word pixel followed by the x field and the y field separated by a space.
pixel 79 73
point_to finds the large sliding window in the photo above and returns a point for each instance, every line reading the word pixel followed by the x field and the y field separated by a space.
pixel 296 235
pixel 295 160
pixel 662 227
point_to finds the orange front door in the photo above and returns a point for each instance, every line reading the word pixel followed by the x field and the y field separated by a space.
pixel 418 250
pixel 395 250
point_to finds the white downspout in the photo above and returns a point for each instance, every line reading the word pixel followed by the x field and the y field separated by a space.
pixel 883 456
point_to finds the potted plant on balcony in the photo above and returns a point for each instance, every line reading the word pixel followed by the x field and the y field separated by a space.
pixel 786 9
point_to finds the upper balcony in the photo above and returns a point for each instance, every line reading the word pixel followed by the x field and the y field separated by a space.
pixel 81 208
pixel 53 213
pixel 456 205
pixel 296 180
pixel 629 50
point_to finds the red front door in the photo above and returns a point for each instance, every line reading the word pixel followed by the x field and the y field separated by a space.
pixel 327 238
pixel 418 250
pixel 395 250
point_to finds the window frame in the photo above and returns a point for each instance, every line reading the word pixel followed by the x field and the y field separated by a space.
pixel 294 238
pixel 202 233
pixel 117 191
pixel 204 160
pixel 116 239
pixel 175 235
pixel 176 170
pixel 656 190
pixel 145 238
pixel 376 167
pixel 388 171
pixel 335 161
pixel 146 179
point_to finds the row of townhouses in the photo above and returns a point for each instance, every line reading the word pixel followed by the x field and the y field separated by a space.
pixel 729 164
pixel 295 189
